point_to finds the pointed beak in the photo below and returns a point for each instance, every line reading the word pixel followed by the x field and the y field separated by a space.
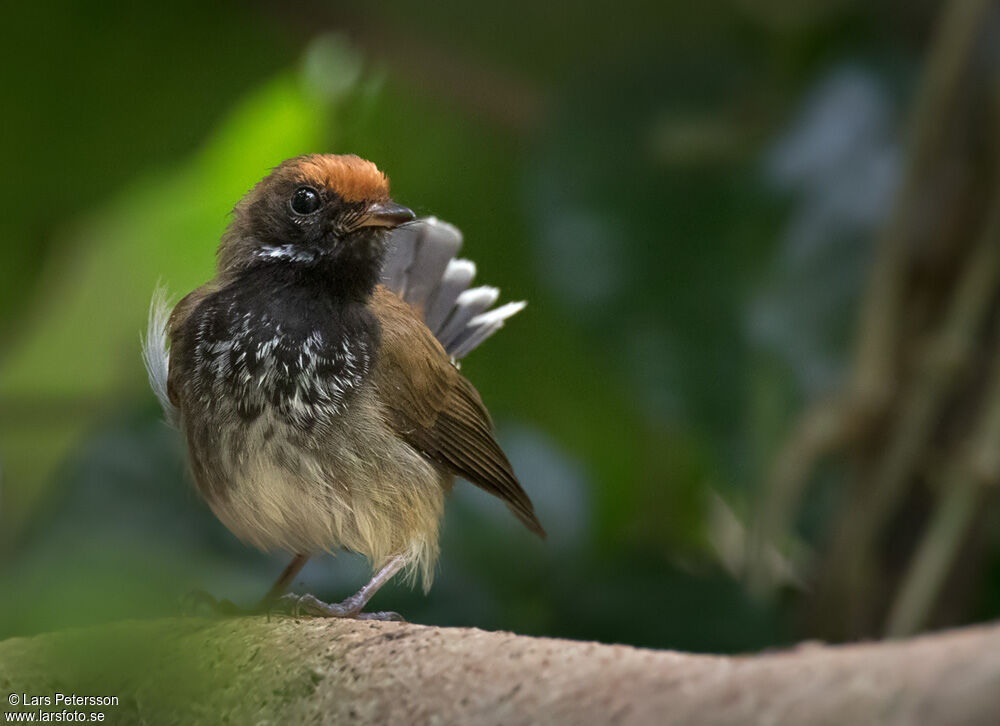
pixel 386 214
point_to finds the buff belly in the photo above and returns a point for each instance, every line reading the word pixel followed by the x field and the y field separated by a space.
pixel 361 488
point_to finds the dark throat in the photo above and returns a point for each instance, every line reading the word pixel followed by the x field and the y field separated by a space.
pixel 344 270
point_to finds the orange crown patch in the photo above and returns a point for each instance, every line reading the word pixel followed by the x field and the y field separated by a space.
pixel 349 176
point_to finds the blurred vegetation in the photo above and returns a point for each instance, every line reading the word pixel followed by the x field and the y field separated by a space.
pixel 691 198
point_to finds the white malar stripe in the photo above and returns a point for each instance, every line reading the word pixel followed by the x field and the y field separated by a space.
pixel 285 252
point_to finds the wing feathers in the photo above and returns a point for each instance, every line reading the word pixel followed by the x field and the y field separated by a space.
pixel 436 410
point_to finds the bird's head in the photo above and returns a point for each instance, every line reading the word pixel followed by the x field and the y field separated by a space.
pixel 320 209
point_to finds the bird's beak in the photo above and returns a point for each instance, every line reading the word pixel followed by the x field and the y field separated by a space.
pixel 386 214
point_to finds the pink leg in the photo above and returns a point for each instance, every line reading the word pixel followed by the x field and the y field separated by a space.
pixel 352 606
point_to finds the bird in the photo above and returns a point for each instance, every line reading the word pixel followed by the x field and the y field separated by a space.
pixel 316 378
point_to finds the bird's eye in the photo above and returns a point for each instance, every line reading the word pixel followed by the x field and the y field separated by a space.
pixel 305 200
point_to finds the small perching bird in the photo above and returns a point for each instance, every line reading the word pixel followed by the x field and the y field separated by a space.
pixel 315 378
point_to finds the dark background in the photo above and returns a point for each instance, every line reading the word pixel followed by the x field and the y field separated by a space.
pixel 689 195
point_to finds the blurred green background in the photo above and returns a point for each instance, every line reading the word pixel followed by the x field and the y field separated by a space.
pixel 691 197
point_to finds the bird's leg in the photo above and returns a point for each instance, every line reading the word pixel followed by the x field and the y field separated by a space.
pixel 351 607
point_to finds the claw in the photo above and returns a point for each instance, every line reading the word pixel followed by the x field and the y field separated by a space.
pixel 311 605
pixel 314 606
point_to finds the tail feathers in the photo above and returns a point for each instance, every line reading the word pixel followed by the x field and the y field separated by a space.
pixel 402 245
pixel 430 261
pixel 418 257
pixel 457 278
pixel 483 326
pixel 422 269
pixel 467 306
pixel 156 352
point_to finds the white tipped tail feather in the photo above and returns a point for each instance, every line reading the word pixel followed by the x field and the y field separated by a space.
pixel 156 351
pixel 420 267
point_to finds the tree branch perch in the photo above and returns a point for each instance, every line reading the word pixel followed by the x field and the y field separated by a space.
pixel 251 670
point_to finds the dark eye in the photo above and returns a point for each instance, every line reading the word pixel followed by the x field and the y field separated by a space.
pixel 305 200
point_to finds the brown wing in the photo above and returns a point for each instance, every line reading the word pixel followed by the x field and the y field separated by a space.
pixel 436 410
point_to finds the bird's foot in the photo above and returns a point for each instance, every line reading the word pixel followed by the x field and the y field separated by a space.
pixel 297 605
